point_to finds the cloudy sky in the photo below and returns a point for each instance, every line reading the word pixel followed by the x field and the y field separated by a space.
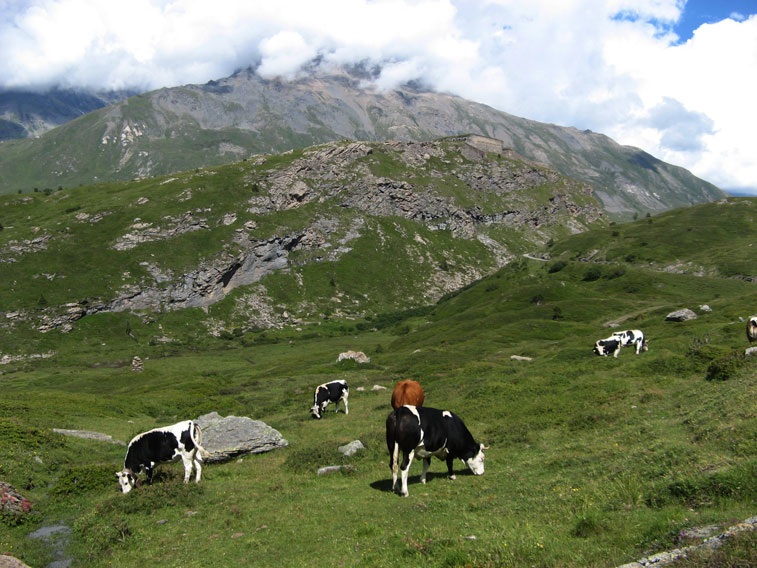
pixel 677 78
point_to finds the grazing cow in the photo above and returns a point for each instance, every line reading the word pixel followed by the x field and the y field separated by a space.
pixel 603 347
pixel 161 445
pixel 407 393
pixel 633 337
pixel 751 329
pixel 426 432
pixel 330 392
pixel 620 339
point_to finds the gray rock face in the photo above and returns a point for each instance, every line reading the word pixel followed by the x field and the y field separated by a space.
pixel 227 437
pixel 681 315
pixel 87 435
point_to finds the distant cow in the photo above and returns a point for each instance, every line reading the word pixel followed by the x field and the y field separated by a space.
pixel 620 339
pixel 751 329
pixel 426 432
pixel 161 445
pixel 633 337
pixel 330 392
pixel 407 392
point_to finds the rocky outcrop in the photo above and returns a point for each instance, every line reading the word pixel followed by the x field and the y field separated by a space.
pixel 13 505
pixel 231 436
pixel 87 435
pixel 681 315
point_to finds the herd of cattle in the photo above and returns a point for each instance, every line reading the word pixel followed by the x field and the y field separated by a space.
pixel 411 428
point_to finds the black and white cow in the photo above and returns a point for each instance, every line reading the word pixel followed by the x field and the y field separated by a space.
pixel 161 445
pixel 330 392
pixel 634 337
pixel 424 432
pixel 620 339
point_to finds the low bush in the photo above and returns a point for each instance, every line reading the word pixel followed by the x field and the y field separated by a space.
pixel 726 366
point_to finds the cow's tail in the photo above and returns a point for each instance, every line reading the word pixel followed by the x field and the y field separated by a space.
pixel 395 458
pixel 196 435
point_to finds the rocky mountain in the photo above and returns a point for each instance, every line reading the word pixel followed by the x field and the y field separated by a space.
pixel 181 128
pixel 28 114
pixel 343 230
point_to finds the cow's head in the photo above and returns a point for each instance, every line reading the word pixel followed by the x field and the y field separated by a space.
pixel 476 463
pixel 316 411
pixel 127 480
pixel 599 348
pixel 645 345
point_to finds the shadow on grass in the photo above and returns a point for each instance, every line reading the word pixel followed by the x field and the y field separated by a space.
pixel 386 484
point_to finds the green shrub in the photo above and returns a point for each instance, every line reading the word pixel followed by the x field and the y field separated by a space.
pixel 557 266
pixel 724 367
pixel 592 274
pixel 83 479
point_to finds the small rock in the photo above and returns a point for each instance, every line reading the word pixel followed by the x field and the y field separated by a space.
pixel 237 535
pixel 681 315
pixel 378 388
pixel 335 468
pixel 520 358
pixel 12 502
pixel 751 352
pixel 351 448
pixel 137 366
pixel 705 308
pixel 361 389
pixel 11 562
pixel 471 537
pixel 161 522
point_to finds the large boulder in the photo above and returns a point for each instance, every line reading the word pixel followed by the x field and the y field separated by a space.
pixel 227 437
pixel 681 315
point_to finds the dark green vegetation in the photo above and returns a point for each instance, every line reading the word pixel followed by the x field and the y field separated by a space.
pixel 593 461
pixel 181 128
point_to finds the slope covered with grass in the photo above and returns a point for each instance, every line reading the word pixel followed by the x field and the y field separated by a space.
pixel 593 461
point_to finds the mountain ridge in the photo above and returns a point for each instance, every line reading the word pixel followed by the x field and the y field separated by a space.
pixel 175 129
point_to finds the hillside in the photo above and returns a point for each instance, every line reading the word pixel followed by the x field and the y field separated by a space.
pixel 594 462
pixel 338 230
pixel 181 128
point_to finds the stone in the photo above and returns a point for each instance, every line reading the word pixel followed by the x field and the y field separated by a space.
pixel 751 352
pixel 705 308
pixel 681 315
pixel 11 562
pixel 351 448
pixel 87 435
pixel 357 356
pixel 378 388
pixel 335 468
pixel 228 437
pixel 137 365
pixel 12 503
pixel 521 358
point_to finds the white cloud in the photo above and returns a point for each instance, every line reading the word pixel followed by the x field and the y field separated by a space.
pixel 614 66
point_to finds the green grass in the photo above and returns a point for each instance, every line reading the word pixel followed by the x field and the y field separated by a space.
pixel 593 461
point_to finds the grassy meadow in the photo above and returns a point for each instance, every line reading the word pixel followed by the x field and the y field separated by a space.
pixel 594 462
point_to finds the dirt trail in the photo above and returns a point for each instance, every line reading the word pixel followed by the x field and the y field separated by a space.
pixel 621 319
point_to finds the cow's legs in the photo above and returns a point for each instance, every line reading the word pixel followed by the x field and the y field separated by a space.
pixel 426 465
pixel 393 464
pixel 346 407
pixel 336 405
pixel 186 459
pixel 198 467
pixel 616 352
pixel 405 469
pixel 148 474
pixel 450 474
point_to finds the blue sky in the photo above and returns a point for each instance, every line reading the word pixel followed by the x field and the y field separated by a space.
pixel 676 78
pixel 698 12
